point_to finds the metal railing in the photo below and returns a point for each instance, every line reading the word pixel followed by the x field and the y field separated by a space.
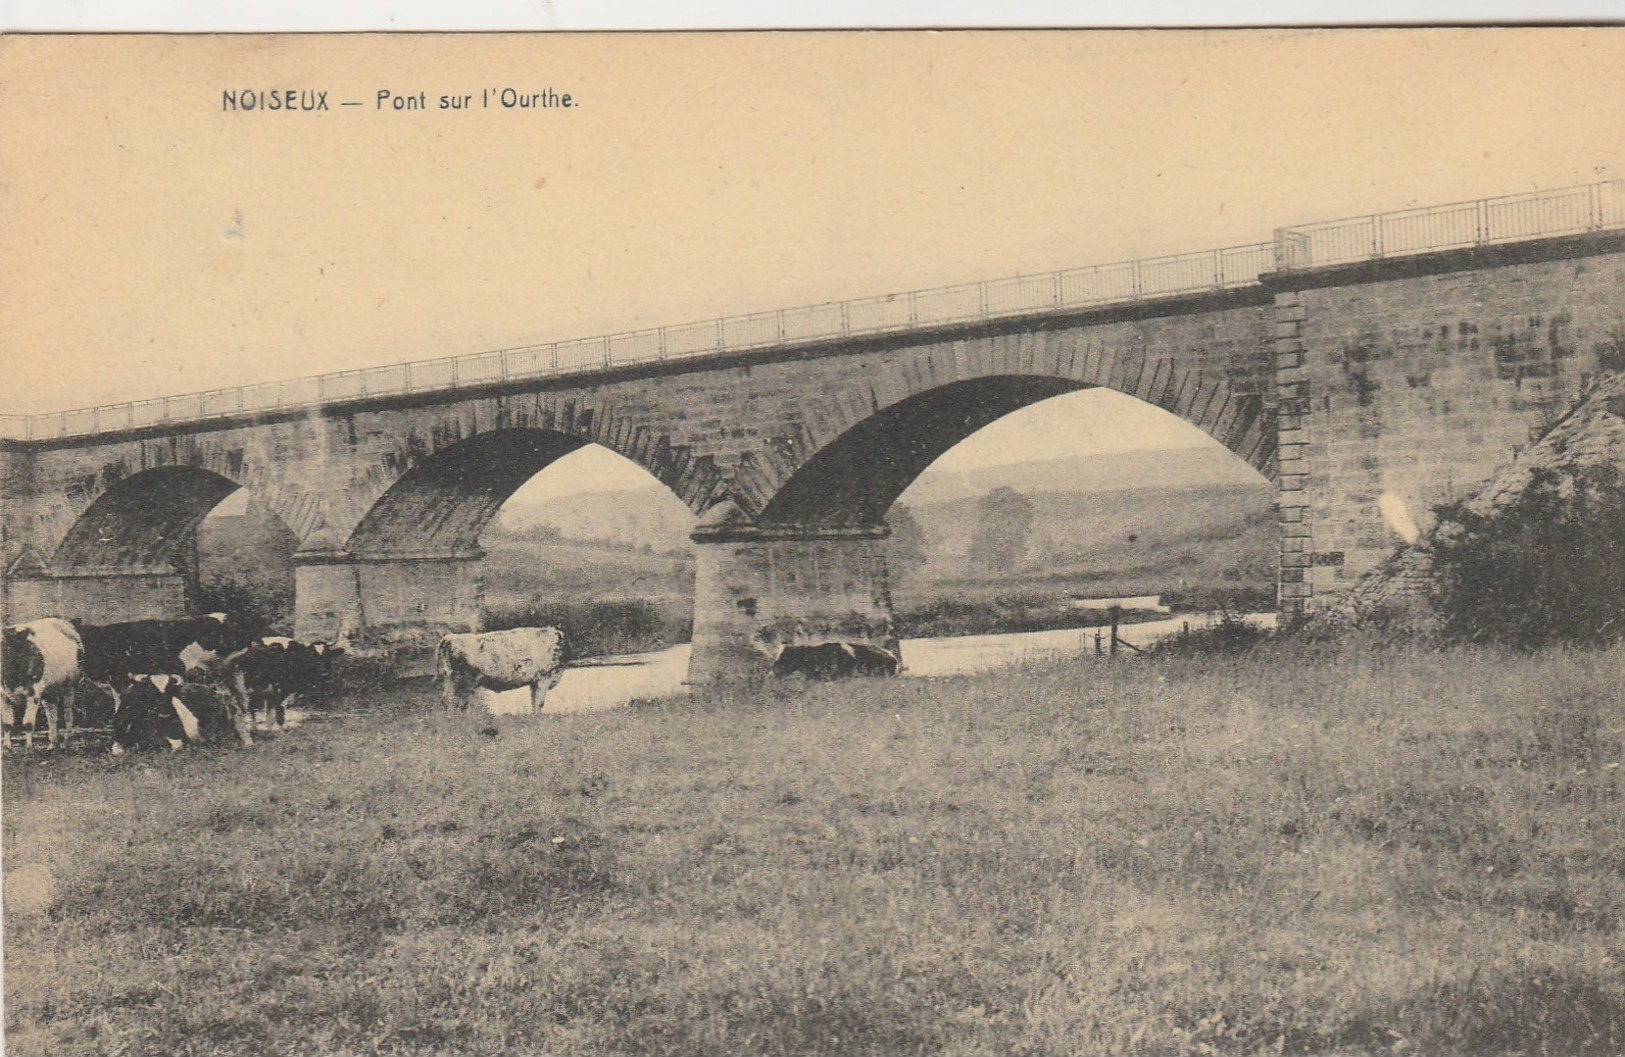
pixel 1513 218
pixel 1546 214
pixel 1103 284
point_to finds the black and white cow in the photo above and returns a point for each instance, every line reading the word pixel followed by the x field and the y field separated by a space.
pixel 40 666
pixel 834 660
pixel 275 670
pixel 161 709
pixel 114 652
pixel 501 660
pixel 152 713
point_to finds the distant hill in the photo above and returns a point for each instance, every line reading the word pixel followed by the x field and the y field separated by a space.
pixel 1145 540
pixel 1124 471
pixel 632 517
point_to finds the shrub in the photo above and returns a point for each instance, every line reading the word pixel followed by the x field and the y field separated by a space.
pixel 1547 567
pixel 1230 635
pixel 262 603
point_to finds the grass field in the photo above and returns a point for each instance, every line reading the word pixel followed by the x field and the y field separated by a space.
pixel 1301 851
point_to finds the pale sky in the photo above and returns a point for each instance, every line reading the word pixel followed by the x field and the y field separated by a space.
pixel 152 244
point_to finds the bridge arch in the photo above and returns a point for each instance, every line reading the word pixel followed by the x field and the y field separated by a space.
pixel 411 567
pixel 133 550
pixel 797 555
pixel 844 465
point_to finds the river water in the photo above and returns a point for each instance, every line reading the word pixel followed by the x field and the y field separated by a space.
pixel 661 674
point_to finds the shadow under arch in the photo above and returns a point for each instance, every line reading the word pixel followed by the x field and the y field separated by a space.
pixel 148 519
pixel 439 507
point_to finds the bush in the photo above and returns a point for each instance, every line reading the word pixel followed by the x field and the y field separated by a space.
pixel 1548 567
pixel 1229 636
pixel 262 603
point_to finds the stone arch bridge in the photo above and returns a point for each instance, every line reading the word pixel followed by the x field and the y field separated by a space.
pixel 1346 362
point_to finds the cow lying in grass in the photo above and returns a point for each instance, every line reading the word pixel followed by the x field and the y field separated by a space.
pixel 158 710
pixel 834 660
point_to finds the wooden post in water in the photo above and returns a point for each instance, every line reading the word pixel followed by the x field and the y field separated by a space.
pixel 1116 614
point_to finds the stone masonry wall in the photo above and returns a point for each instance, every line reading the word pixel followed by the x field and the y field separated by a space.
pixel 1399 392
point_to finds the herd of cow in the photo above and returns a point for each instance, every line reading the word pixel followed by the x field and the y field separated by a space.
pixel 171 682
pixel 160 681
pixel 207 678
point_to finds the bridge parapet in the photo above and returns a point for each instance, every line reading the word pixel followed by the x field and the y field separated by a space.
pixel 1458 225
pixel 1534 215
pixel 1094 286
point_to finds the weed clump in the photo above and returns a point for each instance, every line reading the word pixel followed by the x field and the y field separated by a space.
pixel 1229 636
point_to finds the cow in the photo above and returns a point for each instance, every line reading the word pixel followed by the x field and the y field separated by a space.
pixel 158 709
pixel 834 660
pixel 501 660
pixel 275 670
pixel 114 652
pixel 39 658
pixel 151 712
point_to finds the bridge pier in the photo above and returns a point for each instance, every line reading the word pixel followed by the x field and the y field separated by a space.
pixel 759 587
pixel 394 600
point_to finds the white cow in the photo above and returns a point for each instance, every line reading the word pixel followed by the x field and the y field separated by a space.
pixel 501 660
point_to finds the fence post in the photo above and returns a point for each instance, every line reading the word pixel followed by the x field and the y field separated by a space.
pixel 454 372
pixel 553 349
pixel 1218 269
pixel 1060 294
pixel 720 344
pixel 407 374
pixel 1482 218
pixel 1134 285
pixel 502 360
pixel 781 325
pixel 846 317
pixel 662 333
pixel 1376 235
pixel 609 355
pixel 913 309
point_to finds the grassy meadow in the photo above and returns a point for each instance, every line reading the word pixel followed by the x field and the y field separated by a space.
pixel 1304 850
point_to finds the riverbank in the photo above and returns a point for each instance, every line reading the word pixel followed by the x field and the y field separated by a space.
pixel 663 673
pixel 1304 850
